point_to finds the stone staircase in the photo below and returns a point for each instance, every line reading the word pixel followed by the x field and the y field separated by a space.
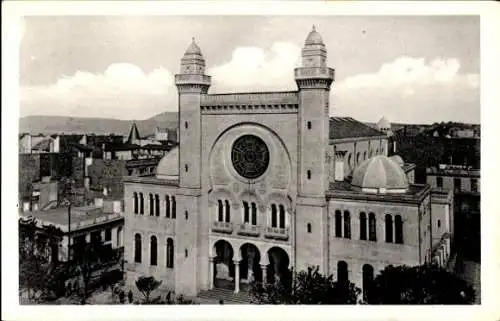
pixel 228 296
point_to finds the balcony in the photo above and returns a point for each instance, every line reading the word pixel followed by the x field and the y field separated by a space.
pixel 222 227
pixel 249 230
pixel 277 233
pixel 314 72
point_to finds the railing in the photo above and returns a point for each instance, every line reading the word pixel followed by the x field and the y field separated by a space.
pixel 322 72
pixel 277 233
pixel 278 96
pixel 96 220
pixel 250 230
pixel 222 227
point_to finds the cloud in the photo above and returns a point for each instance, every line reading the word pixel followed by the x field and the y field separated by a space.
pixel 405 90
pixel 410 90
pixel 122 91
pixel 255 69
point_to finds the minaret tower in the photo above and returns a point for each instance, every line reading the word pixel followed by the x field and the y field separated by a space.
pixel 191 83
pixel 313 80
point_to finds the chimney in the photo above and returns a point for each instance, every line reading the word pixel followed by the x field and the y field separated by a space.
pixel 339 165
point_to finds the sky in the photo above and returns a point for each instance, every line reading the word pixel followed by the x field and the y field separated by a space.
pixel 412 69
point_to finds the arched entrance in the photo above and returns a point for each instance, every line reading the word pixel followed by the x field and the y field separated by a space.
pixel 367 278
pixel 250 265
pixel 223 265
pixel 278 264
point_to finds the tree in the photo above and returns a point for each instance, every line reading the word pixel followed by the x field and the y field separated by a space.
pixel 426 284
pixel 38 258
pixel 305 287
pixel 146 285
pixel 88 258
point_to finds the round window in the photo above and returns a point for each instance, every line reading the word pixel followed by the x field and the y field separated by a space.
pixel 250 156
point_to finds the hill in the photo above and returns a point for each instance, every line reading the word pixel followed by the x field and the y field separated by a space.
pixel 77 125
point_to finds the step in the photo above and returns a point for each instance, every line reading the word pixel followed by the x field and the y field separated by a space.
pixel 213 296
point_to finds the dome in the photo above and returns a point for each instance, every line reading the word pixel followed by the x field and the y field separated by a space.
pixel 383 123
pixel 193 49
pixel 314 38
pixel 380 174
pixel 168 167
pixel 398 160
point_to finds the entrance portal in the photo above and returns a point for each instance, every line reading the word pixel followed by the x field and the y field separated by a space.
pixel 278 264
pixel 250 265
pixel 223 265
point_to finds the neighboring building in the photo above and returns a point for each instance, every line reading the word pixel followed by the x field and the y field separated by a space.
pixel 262 182
pixel 104 219
pixel 384 126
pixel 465 183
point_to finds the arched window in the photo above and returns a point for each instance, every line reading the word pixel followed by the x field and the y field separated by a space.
pixel 157 205
pixel 246 213
pixel 274 216
pixel 141 203
pixel 376 151
pixel 136 203
pixel 338 223
pixel 220 210
pixel 371 153
pixel 364 155
pixel 372 227
pixel 153 255
pixel 349 160
pixel 362 226
pixel 167 206
pixel 228 212
pixel 254 214
pixel 388 228
pixel 119 236
pixel 138 249
pixel 342 273
pixel 398 224
pixel 174 209
pixel 367 278
pixel 151 205
pixel 439 223
pixel 282 216
pixel 357 158
pixel 309 126
pixel 347 225
pixel 309 228
pixel 170 253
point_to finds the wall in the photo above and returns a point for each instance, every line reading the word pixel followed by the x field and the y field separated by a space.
pixel 356 252
pixel 147 226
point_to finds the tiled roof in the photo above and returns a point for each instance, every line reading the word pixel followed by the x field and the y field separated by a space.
pixel 133 134
pixel 347 127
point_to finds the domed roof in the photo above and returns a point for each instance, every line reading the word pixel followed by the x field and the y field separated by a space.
pixel 397 159
pixel 314 38
pixel 193 49
pixel 383 123
pixel 168 167
pixel 380 174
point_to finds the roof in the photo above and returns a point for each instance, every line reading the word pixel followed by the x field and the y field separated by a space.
pixel 81 217
pixel 193 49
pixel 134 133
pixel 43 145
pixel 314 38
pixel 168 167
pixel 347 127
pixel 383 123
pixel 381 173
pixel 157 147
pixel 121 147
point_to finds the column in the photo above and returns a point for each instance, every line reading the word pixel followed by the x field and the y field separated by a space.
pixel 264 273
pixel 211 272
pixel 236 276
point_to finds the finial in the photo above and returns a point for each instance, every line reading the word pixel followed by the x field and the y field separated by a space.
pixel 314 28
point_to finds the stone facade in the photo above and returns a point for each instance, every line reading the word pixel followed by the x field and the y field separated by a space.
pixel 212 221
